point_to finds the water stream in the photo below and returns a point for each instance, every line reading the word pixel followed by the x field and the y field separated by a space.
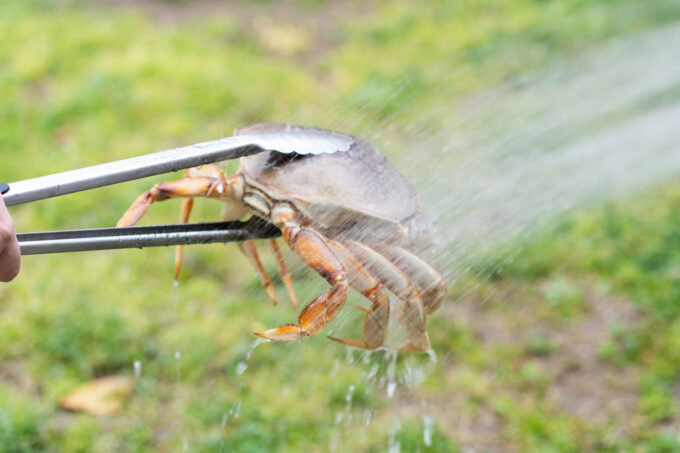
pixel 595 126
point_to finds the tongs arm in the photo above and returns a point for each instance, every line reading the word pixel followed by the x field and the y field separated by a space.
pixel 144 236
pixel 285 141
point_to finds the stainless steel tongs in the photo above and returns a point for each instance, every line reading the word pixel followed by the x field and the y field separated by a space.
pixel 300 141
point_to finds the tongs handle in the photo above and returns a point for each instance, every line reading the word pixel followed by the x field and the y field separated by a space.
pixel 144 236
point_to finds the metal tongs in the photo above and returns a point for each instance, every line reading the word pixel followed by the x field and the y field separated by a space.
pixel 299 141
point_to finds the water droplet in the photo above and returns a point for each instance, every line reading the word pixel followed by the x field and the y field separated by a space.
pixel 241 368
pixel 372 373
pixel 348 397
pixel 138 368
pixel 178 355
pixel 428 427
pixel 393 444
pixel 236 411
pixel 203 144
pixel 413 375
pixel 368 416
pixel 391 373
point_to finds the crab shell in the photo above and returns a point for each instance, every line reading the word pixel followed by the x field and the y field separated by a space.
pixel 347 195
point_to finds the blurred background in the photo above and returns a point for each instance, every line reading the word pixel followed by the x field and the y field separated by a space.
pixel 542 137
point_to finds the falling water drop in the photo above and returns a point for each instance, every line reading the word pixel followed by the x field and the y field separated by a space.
pixel 138 368
pixel 391 373
pixel 348 397
pixel 348 405
pixel 393 444
pixel 428 426
pixel 236 411
pixel 391 387
pixel 368 417
pixel 372 373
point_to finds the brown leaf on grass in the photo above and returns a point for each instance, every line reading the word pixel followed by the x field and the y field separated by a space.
pixel 103 396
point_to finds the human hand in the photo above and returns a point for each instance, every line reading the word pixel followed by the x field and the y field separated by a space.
pixel 9 247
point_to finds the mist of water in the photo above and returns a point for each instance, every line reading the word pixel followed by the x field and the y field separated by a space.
pixel 504 161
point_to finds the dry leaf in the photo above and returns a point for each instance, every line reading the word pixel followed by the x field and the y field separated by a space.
pixel 103 396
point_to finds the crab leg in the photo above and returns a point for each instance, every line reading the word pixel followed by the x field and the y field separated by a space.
pixel 210 171
pixel 428 281
pixel 283 272
pixel 187 205
pixel 314 251
pixel 377 317
pixel 249 250
pixel 202 186
pixel 399 284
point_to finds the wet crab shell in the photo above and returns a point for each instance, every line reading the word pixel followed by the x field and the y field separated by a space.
pixel 354 194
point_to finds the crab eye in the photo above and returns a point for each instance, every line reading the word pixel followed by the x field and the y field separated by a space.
pixel 277 159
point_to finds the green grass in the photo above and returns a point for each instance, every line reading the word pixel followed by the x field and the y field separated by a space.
pixel 81 85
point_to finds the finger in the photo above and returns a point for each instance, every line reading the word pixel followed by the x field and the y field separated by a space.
pixel 10 257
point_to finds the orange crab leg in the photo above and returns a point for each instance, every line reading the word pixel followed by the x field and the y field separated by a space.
pixel 377 317
pixel 183 188
pixel 249 250
pixel 187 205
pixel 313 250
pixel 210 171
pixel 283 272
pixel 399 284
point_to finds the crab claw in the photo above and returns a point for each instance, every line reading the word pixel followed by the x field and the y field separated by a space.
pixel 284 334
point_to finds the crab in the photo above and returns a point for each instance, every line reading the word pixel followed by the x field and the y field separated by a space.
pixel 349 215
